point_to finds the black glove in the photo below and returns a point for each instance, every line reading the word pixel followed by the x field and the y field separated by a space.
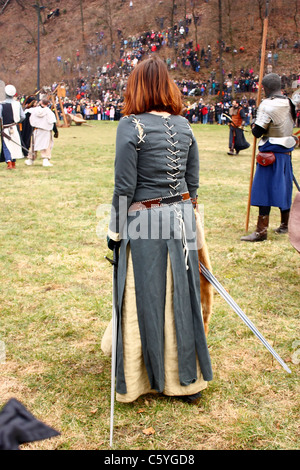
pixel 55 130
pixel 112 243
pixel 194 201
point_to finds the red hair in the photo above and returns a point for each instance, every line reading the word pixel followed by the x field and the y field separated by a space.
pixel 150 88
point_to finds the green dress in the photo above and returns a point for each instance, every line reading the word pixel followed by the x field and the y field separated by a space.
pixel 158 157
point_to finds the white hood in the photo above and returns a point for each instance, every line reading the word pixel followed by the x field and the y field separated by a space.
pixel 42 118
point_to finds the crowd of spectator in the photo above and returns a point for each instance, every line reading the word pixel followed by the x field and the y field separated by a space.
pixel 180 54
pixel 210 113
pixel 109 107
pixel 98 94
pixel 101 97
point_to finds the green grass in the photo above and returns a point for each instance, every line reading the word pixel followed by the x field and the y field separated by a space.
pixel 55 299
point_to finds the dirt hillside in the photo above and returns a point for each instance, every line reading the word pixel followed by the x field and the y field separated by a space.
pixel 81 25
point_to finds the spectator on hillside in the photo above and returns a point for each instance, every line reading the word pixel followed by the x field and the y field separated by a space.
pixel 204 113
pixel 270 57
pixel 218 113
pixel 112 113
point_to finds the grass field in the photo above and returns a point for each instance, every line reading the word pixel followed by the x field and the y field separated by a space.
pixel 55 300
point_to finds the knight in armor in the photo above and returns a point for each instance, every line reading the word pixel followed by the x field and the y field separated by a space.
pixel 237 141
pixel 11 113
pixel 273 183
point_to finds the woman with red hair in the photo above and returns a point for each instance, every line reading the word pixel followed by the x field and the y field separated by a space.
pixel 161 338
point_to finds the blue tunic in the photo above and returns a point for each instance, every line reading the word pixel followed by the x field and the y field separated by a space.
pixel 273 184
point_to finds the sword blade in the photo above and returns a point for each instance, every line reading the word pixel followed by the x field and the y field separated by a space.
pixel 236 127
pixel 9 138
pixel 216 284
pixel 296 183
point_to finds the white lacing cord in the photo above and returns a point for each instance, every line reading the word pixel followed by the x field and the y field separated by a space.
pixel 175 166
pixel 183 235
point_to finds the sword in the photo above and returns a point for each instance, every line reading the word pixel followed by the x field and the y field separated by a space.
pixel 237 127
pixel 216 284
pixel 115 315
pixel 296 183
pixel 9 138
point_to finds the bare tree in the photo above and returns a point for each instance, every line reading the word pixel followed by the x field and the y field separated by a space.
pixel 38 7
pixel 4 5
pixel 184 3
pixel 220 47
pixel 173 11
pixel 82 21
pixel 195 4
pixel 107 20
pixel 296 13
pixel 261 11
pixel 108 8
pixel 229 5
pixel 20 25
pixel 21 4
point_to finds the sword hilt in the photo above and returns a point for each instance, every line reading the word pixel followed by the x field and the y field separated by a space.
pixel 110 260
pixel 114 261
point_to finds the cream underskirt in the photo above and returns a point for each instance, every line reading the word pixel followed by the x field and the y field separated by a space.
pixel 136 377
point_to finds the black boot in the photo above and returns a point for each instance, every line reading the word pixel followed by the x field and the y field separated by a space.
pixel 261 232
pixel 283 228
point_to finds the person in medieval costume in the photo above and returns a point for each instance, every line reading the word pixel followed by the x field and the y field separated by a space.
pixel 43 120
pixel 237 141
pixel 273 183
pixel 26 133
pixel 294 219
pixel 161 343
pixel 11 113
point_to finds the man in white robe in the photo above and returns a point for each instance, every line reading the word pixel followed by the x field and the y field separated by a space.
pixel 43 120
pixel 11 113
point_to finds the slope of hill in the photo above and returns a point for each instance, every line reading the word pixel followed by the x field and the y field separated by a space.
pixel 87 33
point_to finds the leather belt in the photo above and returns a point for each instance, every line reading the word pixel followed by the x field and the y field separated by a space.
pixel 5 126
pixel 161 201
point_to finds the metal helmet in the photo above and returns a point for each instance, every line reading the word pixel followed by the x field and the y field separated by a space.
pixel 272 84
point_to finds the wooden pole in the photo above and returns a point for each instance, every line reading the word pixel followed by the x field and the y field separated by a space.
pixel 261 72
pixel 63 112
pixel 55 110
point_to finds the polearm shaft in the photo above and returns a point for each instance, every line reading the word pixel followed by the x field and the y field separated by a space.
pixel 261 72
pixel 216 284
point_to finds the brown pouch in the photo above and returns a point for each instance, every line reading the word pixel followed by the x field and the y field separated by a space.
pixel 265 158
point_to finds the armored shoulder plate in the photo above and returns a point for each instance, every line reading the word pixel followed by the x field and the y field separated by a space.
pixel 274 115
